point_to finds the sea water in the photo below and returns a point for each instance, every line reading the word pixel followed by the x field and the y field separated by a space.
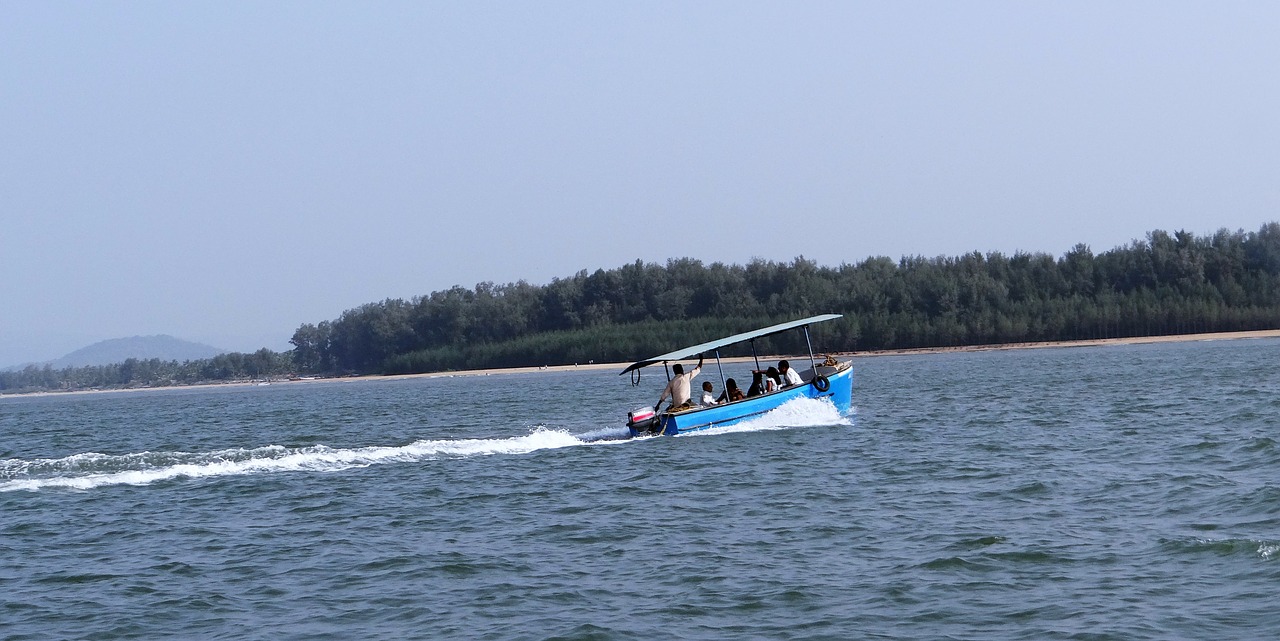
pixel 1121 492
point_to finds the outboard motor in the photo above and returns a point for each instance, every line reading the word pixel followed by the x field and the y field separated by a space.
pixel 642 420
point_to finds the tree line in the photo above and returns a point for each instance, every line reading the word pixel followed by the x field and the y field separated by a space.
pixel 151 372
pixel 1163 284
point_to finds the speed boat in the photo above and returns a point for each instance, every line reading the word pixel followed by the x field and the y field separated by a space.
pixel 829 379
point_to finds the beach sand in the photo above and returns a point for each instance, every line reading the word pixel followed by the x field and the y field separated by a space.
pixel 1137 340
pixel 1271 333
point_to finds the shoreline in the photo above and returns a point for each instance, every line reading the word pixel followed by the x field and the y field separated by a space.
pixel 1136 340
pixel 1088 342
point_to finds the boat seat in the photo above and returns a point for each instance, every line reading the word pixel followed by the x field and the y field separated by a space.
pixel 824 370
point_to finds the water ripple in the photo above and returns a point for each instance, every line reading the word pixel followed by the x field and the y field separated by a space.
pixel 1117 493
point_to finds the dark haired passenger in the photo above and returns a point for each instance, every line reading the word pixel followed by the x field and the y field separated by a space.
pixel 731 392
pixel 789 376
pixel 708 394
pixel 772 380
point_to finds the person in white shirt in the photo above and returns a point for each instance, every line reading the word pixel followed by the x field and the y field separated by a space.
pixel 708 394
pixel 789 376
pixel 772 380
pixel 678 387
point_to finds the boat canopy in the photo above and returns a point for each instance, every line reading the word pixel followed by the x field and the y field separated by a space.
pixel 689 352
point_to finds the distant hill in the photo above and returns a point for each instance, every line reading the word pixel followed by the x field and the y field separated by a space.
pixel 118 350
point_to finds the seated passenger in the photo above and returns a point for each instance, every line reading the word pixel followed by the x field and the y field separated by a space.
pixel 772 380
pixel 789 376
pixel 757 384
pixel 731 392
pixel 708 394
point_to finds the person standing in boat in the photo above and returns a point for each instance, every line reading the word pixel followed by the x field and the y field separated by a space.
pixel 678 387
pixel 789 376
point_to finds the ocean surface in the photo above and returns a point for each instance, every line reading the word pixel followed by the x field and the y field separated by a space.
pixel 1120 492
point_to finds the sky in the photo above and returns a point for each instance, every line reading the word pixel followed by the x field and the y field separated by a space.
pixel 226 171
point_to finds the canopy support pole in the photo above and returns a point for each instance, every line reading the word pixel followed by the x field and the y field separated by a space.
pixel 721 368
pixel 812 363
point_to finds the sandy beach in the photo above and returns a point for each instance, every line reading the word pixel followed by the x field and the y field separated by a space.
pixel 1137 340
pixel 1217 336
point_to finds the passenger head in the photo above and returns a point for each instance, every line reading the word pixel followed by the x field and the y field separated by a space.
pixel 706 386
pixel 772 372
pixel 731 384
pixel 678 369
pixel 783 366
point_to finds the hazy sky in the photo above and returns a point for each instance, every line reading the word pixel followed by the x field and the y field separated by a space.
pixel 224 172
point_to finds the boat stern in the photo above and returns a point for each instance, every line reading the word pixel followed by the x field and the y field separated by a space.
pixel 643 421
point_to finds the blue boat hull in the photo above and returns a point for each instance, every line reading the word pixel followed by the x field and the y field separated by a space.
pixel 839 389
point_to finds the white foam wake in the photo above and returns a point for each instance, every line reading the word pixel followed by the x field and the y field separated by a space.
pixel 92 470
pixel 797 412
pixel 605 434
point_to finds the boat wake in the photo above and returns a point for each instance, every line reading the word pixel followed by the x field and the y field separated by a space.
pixel 797 412
pixel 93 470
pixel 605 434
